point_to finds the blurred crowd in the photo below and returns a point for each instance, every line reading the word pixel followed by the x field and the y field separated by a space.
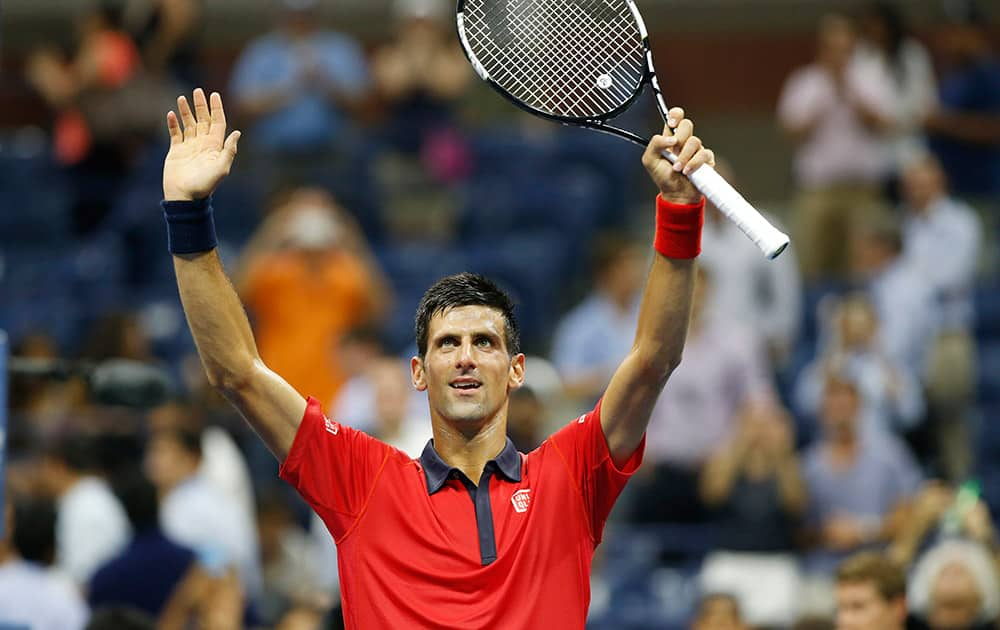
pixel 843 398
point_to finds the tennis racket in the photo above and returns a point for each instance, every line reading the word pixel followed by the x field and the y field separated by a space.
pixel 584 62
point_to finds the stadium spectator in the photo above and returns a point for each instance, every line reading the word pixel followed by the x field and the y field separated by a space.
pixel 146 573
pixel 91 525
pixel 965 131
pixel 755 488
pixel 723 367
pixel 222 462
pixel 31 595
pixel 955 586
pixel 860 484
pixel 903 299
pixel 166 32
pixel 593 337
pixel 290 562
pixel 891 394
pixel 887 42
pixel 308 277
pixel 395 422
pixel 943 512
pixel 104 106
pixel 419 75
pixel 194 513
pixel 754 483
pixel 762 294
pixel 298 86
pixel 871 594
pixel 836 110
pixel 718 611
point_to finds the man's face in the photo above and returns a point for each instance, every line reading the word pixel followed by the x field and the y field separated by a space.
pixel 861 607
pixel 467 372
pixel 923 182
pixel 840 409
pixel 955 599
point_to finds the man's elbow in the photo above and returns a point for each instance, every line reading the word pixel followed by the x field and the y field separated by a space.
pixel 231 380
pixel 656 366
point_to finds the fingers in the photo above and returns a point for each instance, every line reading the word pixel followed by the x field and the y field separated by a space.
pixel 218 126
pixel 201 111
pixel 190 126
pixel 658 144
pixel 174 128
pixel 231 144
pixel 674 117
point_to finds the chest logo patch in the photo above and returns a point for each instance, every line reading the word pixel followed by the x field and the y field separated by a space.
pixel 521 500
pixel 331 427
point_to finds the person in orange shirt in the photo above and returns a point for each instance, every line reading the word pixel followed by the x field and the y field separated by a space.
pixel 308 277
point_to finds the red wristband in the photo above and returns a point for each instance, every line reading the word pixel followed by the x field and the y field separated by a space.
pixel 678 228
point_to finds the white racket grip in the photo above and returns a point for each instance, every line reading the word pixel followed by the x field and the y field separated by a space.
pixel 769 239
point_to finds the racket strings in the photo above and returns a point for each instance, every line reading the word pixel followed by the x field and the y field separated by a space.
pixel 568 58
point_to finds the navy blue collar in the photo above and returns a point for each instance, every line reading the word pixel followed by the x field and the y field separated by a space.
pixel 436 471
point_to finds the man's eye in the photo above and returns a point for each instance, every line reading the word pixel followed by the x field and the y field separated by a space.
pixel 483 342
pixel 447 342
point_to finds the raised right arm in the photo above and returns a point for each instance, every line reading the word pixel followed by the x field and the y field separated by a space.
pixel 200 156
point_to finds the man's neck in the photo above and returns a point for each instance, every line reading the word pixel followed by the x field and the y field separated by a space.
pixel 843 449
pixel 469 450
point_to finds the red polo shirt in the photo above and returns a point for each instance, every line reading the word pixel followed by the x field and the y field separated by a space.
pixel 421 546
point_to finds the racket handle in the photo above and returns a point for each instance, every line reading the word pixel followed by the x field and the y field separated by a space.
pixel 769 239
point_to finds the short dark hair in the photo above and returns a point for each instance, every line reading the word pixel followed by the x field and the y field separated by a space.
pixel 466 289
pixel 188 438
pixel 34 536
pixel 876 569
pixel 139 498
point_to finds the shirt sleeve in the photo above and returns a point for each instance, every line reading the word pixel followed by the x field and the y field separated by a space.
pixel 334 468
pixel 584 448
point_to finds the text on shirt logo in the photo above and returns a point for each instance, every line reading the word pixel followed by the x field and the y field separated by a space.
pixel 581 419
pixel 521 500
pixel 331 427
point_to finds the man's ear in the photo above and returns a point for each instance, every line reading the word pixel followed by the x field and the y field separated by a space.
pixel 417 375
pixel 515 376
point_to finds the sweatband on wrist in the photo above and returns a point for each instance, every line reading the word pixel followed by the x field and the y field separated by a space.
pixel 678 228
pixel 190 226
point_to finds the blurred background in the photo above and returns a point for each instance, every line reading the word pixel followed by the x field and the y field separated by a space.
pixel 843 397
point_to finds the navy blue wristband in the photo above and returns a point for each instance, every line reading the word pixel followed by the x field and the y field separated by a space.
pixel 190 226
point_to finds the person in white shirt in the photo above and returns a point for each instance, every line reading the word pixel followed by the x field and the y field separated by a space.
pixel 764 295
pixel 31 596
pixel 942 237
pixel 195 513
pixel 91 525
pixel 886 42
pixel 837 111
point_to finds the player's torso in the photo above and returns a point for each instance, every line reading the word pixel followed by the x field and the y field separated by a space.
pixel 415 560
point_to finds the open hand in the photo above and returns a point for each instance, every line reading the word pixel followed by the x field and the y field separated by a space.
pixel 200 155
pixel 682 142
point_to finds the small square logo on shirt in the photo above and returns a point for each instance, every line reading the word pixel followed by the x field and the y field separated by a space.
pixel 521 500
pixel 331 427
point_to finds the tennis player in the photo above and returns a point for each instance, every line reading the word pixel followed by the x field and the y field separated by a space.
pixel 473 534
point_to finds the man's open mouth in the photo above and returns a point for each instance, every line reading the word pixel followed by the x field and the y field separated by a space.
pixel 465 384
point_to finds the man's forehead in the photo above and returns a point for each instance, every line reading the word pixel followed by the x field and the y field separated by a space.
pixel 466 319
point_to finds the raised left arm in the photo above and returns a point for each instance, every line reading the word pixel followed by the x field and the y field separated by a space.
pixel 666 301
